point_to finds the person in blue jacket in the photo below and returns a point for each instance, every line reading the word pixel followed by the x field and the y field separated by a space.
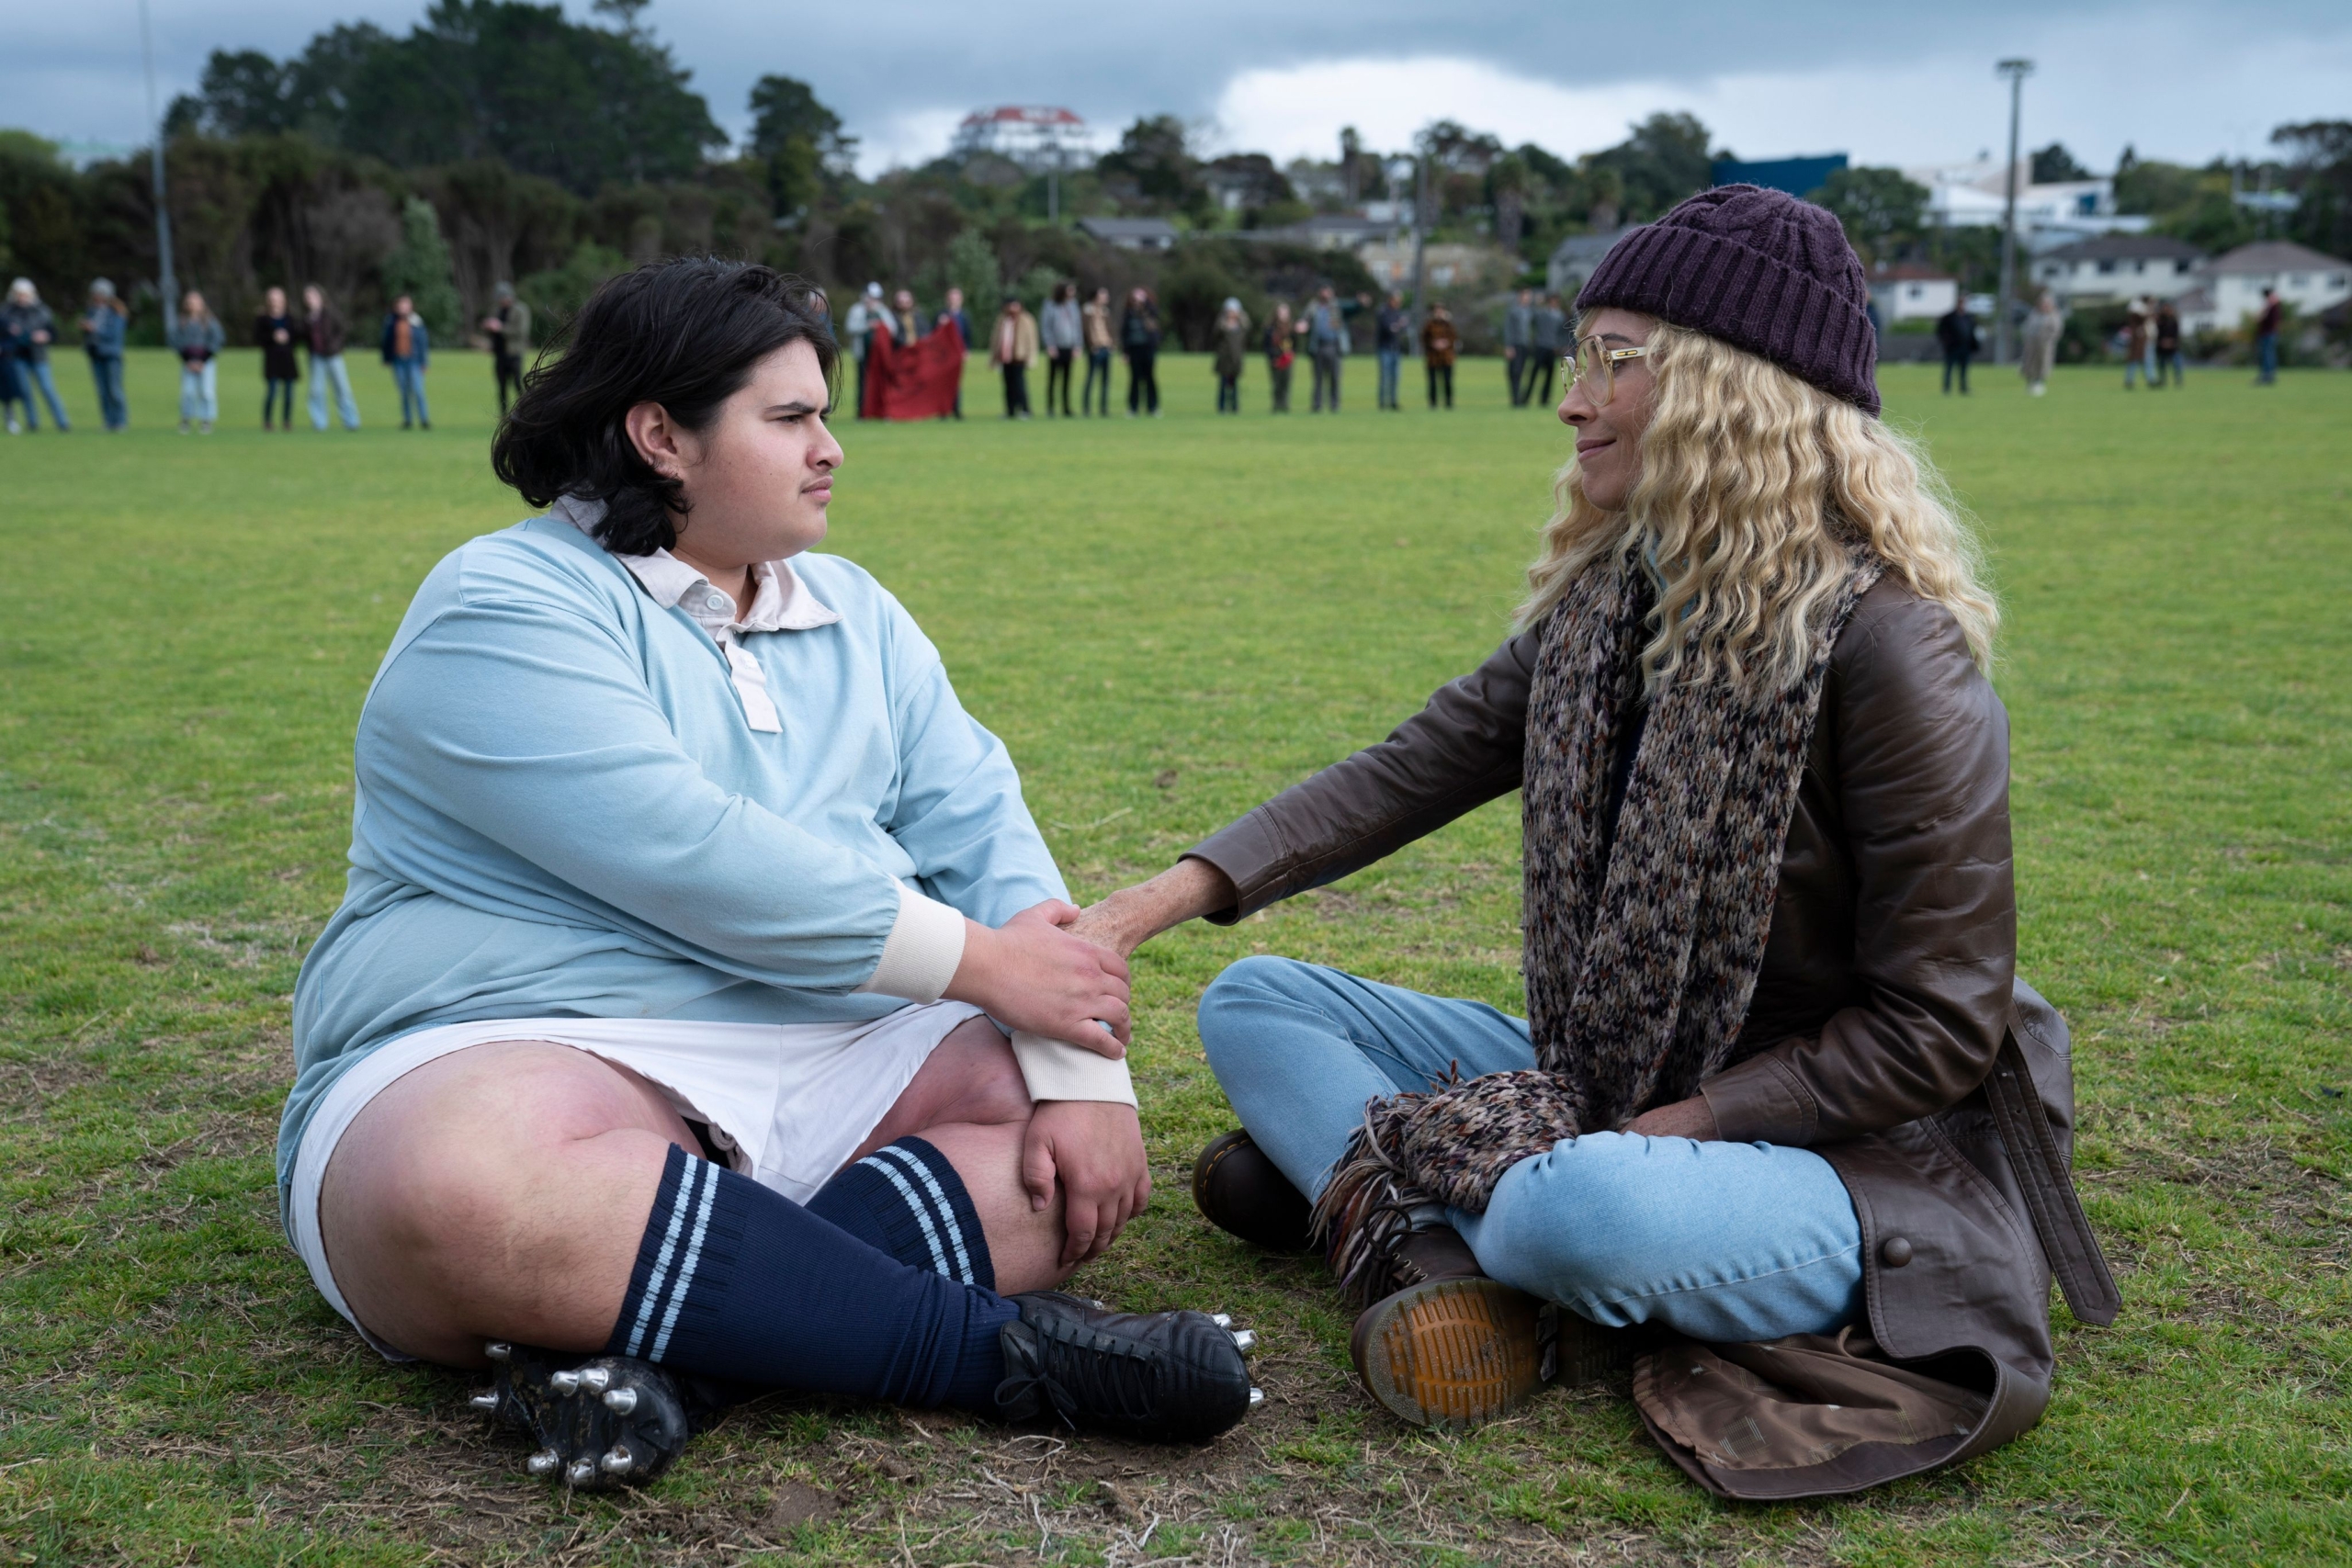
pixel 700 1005
pixel 408 349
pixel 104 326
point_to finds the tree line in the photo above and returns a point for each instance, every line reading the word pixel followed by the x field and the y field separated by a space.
pixel 501 140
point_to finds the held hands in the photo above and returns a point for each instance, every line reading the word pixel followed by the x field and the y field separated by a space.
pixel 1032 972
pixel 1094 1148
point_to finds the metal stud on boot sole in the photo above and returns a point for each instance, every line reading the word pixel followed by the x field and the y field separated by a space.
pixel 599 1424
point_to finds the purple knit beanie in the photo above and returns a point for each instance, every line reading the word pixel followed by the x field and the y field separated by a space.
pixel 1760 270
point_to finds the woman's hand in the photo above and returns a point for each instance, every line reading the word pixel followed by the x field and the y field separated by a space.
pixel 1094 1148
pixel 1032 974
pixel 1691 1118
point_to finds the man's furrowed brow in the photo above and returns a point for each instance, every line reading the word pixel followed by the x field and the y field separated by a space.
pixel 794 407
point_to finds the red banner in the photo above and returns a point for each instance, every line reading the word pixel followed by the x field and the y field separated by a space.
pixel 917 381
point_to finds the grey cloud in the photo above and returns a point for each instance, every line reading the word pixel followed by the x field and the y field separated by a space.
pixel 74 70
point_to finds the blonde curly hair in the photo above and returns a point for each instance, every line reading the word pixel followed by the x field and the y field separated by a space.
pixel 1754 484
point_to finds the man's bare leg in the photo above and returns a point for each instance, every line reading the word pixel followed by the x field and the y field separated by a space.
pixel 500 1193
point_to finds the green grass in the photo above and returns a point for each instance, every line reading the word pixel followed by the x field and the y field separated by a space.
pixel 1167 621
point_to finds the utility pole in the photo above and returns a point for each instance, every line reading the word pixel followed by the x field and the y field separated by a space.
pixel 1420 232
pixel 166 285
pixel 2016 71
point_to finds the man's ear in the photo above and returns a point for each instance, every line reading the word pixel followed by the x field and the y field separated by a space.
pixel 658 439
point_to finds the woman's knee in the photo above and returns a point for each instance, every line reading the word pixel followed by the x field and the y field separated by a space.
pixel 1586 1217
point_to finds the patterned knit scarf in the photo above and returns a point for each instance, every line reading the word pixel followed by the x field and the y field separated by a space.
pixel 1640 957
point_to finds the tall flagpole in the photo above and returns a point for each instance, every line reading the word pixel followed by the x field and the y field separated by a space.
pixel 166 285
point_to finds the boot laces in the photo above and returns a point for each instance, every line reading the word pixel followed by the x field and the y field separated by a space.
pixel 1091 1373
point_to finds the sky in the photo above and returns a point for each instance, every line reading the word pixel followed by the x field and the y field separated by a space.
pixel 1886 83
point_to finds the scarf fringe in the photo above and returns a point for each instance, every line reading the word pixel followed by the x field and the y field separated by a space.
pixel 1365 1213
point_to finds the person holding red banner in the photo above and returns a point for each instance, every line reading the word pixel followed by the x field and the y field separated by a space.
pixel 912 379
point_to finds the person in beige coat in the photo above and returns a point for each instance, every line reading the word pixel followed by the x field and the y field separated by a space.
pixel 1013 348
pixel 2041 329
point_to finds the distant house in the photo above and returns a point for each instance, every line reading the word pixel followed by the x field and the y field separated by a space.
pixel 1035 137
pixel 1574 258
pixel 1798 176
pixel 1446 265
pixel 2118 266
pixel 1326 232
pixel 1907 291
pixel 2229 288
pixel 1130 233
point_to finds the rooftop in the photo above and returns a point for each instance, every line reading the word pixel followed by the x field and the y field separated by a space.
pixel 2125 247
pixel 1153 231
pixel 1023 114
pixel 1591 247
pixel 2275 256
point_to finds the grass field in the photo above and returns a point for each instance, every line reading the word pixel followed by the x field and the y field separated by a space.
pixel 1167 620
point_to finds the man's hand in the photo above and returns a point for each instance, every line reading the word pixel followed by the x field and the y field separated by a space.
pixel 1032 974
pixel 1094 1148
pixel 1691 1118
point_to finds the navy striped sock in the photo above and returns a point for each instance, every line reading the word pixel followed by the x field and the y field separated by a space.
pixel 736 1283
pixel 907 1200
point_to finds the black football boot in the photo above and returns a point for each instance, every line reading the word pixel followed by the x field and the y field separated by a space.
pixel 600 1422
pixel 1162 1377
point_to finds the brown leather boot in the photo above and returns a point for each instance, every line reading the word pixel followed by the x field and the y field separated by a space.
pixel 1452 1347
pixel 1240 1192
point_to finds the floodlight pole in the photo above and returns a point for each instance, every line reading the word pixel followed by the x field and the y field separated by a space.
pixel 166 285
pixel 2016 71
pixel 1421 236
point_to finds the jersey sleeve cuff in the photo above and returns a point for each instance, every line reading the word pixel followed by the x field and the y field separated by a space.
pixel 921 954
pixel 1055 1069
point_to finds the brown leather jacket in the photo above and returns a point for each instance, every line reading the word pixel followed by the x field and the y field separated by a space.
pixel 1879 1029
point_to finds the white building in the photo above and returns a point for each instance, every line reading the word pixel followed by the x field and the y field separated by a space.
pixel 1974 195
pixel 1035 137
pixel 2229 288
pixel 1908 291
pixel 2116 267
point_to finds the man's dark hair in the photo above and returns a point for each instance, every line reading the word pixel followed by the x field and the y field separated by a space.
pixel 682 334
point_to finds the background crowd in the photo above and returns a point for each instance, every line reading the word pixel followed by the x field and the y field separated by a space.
pixel 316 333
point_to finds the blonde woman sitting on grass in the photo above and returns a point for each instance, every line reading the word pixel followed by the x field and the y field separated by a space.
pixel 1783 1128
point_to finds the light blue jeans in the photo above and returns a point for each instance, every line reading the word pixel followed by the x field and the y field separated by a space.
pixel 199 392
pixel 1720 1241
pixel 1391 362
pixel 326 368
pixel 39 377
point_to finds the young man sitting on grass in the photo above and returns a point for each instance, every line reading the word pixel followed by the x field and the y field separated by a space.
pixel 660 1042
